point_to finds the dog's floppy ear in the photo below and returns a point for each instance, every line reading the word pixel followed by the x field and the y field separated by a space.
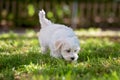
pixel 58 44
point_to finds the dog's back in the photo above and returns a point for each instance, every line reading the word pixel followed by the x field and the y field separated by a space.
pixel 50 31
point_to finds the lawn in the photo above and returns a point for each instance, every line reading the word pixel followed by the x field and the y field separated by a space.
pixel 99 58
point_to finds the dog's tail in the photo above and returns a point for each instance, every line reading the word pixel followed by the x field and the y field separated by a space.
pixel 43 20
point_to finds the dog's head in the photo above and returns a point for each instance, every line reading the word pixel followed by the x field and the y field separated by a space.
pixel 68 48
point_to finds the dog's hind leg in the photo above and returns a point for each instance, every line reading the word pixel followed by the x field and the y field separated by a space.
pixel 44 48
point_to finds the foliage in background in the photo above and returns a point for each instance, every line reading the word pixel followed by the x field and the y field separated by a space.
pixel 25 12
pixel 70 0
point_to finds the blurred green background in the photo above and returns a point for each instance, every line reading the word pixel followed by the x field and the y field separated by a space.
pixel 75 13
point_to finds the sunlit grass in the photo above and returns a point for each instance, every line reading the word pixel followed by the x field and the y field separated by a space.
pixel 21 59
pixel 97 33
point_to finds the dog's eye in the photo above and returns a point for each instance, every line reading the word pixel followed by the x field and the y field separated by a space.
pixel 75 50
pixel 68 51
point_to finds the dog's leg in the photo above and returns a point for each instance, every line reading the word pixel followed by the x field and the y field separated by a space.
pixel 55 54
pixel 43 50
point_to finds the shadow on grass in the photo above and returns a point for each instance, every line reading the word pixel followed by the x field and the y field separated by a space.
pixel 14 60
pixel 17 60
pixel 101 49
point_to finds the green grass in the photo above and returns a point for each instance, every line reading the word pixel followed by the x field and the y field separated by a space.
pixel 21 59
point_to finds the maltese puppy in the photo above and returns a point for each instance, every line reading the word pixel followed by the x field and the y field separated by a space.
pixel 60 39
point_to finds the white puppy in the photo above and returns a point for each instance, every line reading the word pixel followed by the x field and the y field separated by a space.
pixel 60 39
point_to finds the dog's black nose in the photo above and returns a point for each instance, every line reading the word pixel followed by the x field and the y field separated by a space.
pixel 72 58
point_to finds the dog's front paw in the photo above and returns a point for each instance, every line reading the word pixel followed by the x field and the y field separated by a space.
pixel 43 50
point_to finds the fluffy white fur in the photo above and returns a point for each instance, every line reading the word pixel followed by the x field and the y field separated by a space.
pixel 60 39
